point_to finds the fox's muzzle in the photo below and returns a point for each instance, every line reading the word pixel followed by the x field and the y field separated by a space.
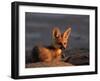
pixel 62 47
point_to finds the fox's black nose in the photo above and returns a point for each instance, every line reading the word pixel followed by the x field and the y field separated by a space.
pixel 62 47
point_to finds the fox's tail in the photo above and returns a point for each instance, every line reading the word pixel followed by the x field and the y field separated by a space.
pixel 35 54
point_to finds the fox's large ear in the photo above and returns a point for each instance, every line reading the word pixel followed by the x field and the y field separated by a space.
pixel 56 32
pixel 67 33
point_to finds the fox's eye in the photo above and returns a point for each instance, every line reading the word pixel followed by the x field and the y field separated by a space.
pixel 65 43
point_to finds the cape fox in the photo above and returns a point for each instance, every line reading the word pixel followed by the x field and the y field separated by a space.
pixel 54 51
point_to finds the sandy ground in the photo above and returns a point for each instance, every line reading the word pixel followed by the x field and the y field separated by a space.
pixel 52 64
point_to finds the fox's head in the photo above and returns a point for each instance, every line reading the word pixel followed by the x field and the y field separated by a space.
pixel 60 40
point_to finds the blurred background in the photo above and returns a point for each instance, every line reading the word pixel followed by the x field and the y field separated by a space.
pixel 38 31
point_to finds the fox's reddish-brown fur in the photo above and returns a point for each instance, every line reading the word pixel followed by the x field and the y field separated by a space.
pixel 53 52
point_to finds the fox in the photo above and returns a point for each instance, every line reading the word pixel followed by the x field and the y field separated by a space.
pixel 52 52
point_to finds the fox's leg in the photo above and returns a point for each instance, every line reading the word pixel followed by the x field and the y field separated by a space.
pixel 58 59
pixel 58 56
pixel 46 58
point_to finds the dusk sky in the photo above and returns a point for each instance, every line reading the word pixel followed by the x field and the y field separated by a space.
pixel 39 27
